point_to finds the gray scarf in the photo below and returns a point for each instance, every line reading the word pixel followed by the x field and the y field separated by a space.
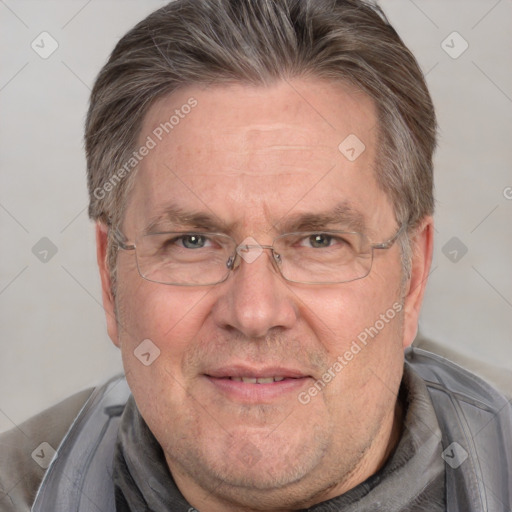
pixel 412 480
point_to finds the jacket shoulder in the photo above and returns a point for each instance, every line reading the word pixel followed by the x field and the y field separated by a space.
pixel 499 378
pixel 476 425
pixel 26 451
pixel 442 374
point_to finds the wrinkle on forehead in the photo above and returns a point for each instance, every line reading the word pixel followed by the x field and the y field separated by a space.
pixel 259 150
pixel 253 156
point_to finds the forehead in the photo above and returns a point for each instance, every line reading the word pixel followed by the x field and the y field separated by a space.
pixel 257 151
pixel 313 114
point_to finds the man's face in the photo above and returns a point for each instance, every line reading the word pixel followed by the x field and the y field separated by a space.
pixel 258 162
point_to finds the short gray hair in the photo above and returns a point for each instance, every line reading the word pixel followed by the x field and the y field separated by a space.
pixel 259 42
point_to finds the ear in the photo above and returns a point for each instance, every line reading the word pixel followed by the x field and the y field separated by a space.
pixel 106 283
pixel 421 258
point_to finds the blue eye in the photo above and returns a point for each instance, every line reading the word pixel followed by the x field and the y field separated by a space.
pixel 320 240
pixel 193 241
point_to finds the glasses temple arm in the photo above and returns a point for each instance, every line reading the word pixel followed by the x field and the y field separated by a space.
pixel 388 243
pixel 120 240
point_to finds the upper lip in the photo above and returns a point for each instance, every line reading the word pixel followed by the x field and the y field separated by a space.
pixel 255 372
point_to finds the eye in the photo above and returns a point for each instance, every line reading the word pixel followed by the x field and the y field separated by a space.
pixel 322 240
pixel 192 241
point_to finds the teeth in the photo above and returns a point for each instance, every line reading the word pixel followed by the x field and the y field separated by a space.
pixel 266 380
pixel 254 380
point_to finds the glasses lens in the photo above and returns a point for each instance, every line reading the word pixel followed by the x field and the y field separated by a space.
pixel 324 257
pixel 199 259
pixel 184 258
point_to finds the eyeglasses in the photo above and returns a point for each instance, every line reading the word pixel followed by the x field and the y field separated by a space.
pixel 201 259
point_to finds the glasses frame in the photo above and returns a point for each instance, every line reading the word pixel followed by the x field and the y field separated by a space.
pixel 234 260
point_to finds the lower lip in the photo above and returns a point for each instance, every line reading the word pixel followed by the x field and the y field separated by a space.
pixel 257 393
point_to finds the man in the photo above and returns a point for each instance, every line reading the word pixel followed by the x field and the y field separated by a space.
pixel 260 174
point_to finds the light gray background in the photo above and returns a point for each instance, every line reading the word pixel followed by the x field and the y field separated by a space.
pixel 54 340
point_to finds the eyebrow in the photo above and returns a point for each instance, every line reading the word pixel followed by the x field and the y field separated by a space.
pixel 180 218
pixel 343 216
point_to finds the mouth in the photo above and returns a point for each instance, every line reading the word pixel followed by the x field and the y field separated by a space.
pixel 257 380
pixel 251 385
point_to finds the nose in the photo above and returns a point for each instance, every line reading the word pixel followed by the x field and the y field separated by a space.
pixel 255 298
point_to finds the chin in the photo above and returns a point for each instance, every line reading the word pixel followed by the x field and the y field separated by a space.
pixel 276 482
pixel 259 464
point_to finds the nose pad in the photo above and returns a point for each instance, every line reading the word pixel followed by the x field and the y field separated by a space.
pixel 230 264
pixel 250 253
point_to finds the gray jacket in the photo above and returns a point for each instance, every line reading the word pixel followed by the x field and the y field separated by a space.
pixel 475 420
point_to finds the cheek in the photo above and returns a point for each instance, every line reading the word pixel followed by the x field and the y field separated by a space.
pixel 160 320
pixel 160 325
pixel 342 313
pixel 359 327
pixel 159 312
